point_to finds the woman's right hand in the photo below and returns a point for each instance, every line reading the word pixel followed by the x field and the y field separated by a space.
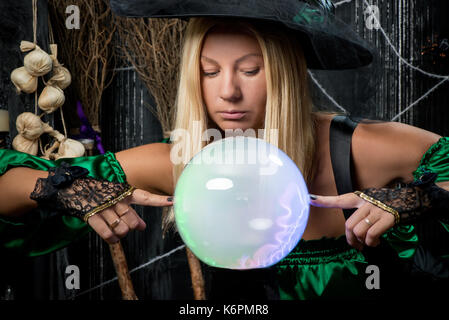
pixel 115 222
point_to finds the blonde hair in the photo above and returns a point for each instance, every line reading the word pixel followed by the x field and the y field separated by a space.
pixel 288 105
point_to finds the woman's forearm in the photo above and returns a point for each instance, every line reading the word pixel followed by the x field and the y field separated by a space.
pixel 16 186
pixel 148 167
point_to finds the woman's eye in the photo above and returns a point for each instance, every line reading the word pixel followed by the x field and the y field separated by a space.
pixel 210 74
pixel 248 73
pixel 251 72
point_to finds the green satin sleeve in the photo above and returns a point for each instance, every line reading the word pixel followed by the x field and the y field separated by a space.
pixel 436 159
pixel 403 238
pixel 40 231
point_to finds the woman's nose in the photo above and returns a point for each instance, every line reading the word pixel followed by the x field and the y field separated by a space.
pixel 230 88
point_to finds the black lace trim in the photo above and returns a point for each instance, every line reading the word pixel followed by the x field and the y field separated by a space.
pixel 417 200
pixel 68 190
pixel 58 178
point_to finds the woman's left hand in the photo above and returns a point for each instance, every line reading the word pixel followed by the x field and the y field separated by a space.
pixel 366 224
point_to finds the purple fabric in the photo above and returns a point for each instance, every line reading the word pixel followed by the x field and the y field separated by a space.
pixel 86 130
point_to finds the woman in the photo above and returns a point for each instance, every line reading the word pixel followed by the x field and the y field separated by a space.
pixel 236 75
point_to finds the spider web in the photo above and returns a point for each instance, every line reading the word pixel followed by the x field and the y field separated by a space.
pixel 442 78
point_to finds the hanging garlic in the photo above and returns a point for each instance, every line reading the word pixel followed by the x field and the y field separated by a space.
pixel 52 132
pixel 61 78
pixel 22 144
pixel 70 148
pixel 48 153
pixel 23 81
pixel 29 126
pixel 61 75
pixel 51 99
pixel 64 79
pixel 26 46
pixel 37 62
pixel 48 129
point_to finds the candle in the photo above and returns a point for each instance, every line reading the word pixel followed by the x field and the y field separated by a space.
pixel 4 121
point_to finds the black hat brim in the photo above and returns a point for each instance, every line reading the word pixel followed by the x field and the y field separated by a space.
pixel 328 43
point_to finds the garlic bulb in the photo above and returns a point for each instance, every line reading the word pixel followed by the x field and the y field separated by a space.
pixel 23 81
pixel 61 77
pixel 51 99
pixel 70 148
pixel 29 126
pixel 26 46
pixel 22 144
pixel 38 62
pixel 67 77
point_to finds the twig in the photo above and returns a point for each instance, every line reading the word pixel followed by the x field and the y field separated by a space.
pixel 153 47
pixel 121 268
pixel 196 275
pixel 89 51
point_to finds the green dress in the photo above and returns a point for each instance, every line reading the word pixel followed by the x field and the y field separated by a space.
pixel 314 269
pixel 330 268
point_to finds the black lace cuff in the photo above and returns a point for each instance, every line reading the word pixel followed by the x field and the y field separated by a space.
pixel 58 178
pixel 418 200
pixel 438 197
pixel 68 190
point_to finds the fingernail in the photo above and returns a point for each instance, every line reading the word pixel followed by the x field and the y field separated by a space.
pixel 313 197
pixel 170 199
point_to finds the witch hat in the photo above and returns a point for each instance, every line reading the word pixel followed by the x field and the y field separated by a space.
pixel 328 43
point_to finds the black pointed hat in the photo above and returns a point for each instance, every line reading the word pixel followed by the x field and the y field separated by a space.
pixel 329 44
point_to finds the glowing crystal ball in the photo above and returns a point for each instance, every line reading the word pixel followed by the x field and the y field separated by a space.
pixel 241 203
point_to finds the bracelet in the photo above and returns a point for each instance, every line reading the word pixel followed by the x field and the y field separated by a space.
pixel 110 203
pixel 379 204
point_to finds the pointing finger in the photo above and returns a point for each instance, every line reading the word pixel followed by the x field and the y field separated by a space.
pixel 145 198
pixel 344 201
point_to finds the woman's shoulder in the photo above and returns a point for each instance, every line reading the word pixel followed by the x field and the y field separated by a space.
pixel 393 147
pixel 382 151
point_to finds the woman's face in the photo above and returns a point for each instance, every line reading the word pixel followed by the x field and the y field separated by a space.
pixel 233 80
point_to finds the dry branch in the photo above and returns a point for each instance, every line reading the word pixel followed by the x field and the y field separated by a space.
pixel 88 51
pixel 153 47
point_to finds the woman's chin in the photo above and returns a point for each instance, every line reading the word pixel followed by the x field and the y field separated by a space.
pixel 236 126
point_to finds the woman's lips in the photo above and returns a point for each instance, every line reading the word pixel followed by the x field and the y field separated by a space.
pixel 232 115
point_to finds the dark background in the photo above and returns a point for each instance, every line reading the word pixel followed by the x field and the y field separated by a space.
pixel 414 27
